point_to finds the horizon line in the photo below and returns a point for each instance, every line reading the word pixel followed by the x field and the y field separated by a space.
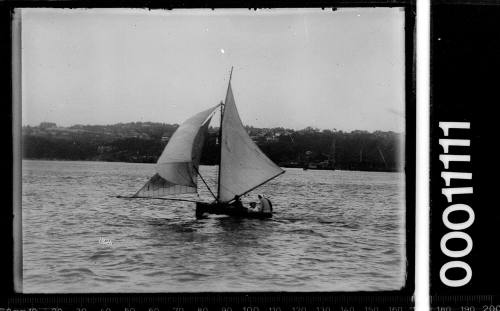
pixel 286 128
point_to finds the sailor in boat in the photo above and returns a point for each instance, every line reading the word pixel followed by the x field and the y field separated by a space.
pixel 263 207
pixel 238 205
pixel 242 165
pixel 265 204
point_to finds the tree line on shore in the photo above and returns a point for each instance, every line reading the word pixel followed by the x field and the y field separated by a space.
pixel 144 141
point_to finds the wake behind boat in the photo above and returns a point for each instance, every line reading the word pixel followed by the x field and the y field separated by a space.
pixel 242 168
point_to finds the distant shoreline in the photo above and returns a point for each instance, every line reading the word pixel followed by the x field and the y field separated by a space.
pixel 67 160
pixel 143 142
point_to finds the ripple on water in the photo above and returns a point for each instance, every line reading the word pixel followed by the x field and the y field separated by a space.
pixel 330 231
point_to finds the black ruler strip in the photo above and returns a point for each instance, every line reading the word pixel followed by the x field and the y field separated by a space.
pixel 209 302
pixel 465 49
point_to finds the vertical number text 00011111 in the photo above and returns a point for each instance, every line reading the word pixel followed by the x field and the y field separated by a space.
pixel 453 195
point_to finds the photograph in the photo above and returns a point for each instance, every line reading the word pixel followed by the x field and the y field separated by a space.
pixel 213 151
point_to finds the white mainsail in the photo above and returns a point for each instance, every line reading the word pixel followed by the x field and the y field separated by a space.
pixel 177 167
pixel 243 166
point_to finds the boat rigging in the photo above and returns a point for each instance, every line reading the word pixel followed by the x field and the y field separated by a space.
pixel 242 168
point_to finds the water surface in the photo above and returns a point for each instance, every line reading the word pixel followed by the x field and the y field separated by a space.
pixel 331 231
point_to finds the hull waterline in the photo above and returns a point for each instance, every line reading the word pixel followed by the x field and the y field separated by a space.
pixel 203 208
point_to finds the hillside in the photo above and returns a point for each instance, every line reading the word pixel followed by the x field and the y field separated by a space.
pixel 144 142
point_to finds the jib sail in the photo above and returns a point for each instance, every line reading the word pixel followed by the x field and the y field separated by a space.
pixel 177 167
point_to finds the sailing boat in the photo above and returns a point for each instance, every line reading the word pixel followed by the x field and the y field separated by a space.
pixel 242 165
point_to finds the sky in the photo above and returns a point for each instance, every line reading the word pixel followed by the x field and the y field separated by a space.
pixel 293 68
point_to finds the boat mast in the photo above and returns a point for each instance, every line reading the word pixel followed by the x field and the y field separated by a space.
pixel 222 107
pixel 220 149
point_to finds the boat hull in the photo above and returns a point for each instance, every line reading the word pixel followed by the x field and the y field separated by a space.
pixel 203 208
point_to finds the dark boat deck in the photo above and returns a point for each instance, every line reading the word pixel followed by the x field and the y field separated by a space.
pixel 227 209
